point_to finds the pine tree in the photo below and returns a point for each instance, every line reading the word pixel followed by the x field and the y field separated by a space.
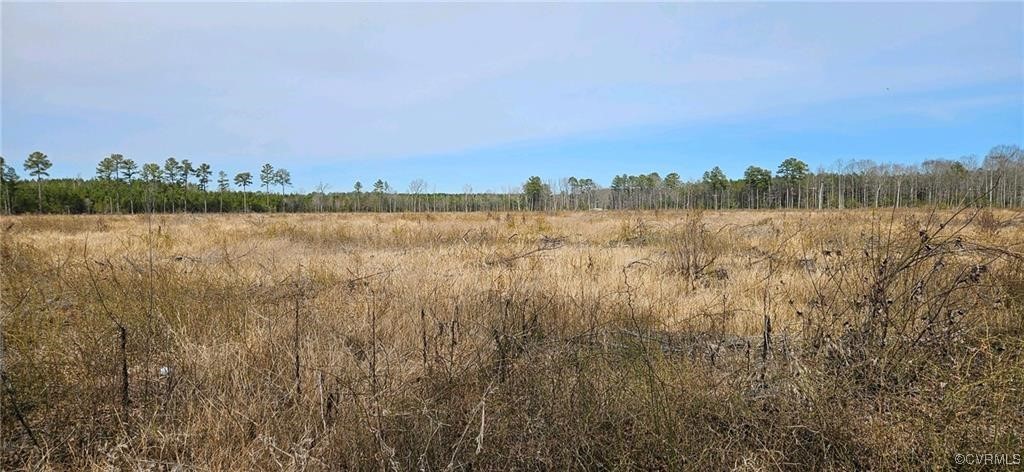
pixel 37 165
pixel 244 180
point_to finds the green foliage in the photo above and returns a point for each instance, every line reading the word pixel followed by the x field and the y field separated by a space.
pixel 940 182
pixel 7 173
pixel 536 191
pixel 203 173
pixel 172 170
pixel 243 179
pixel 581 186
pixel 671 181
pixel 267 176
pixel 793 170
pixel 637 182
pixel 106 168
pixel 757 178
pixel 223 184
pixel 283 178
pixel 716 179
pixel 129 169
pixel 185 171
pixel 151 172
pixel 8 180
pixel 37 165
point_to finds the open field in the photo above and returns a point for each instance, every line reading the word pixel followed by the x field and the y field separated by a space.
pixel 732 340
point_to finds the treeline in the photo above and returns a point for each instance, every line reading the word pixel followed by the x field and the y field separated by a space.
pixel 123 186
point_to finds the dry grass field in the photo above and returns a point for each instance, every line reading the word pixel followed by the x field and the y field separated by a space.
pixel 599 340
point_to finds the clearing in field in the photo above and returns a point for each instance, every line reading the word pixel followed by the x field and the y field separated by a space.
pixel 691 340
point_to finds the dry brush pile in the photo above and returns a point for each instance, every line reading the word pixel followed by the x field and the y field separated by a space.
pixel 747 340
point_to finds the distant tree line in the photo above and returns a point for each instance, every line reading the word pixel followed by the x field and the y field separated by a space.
pixel 123 186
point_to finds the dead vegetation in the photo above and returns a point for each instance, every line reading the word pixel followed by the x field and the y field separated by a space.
pixel 825 340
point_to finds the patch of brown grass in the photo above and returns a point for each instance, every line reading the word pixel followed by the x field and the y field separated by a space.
pixel 669 340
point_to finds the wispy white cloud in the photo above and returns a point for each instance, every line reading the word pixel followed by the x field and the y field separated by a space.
pixel 342 82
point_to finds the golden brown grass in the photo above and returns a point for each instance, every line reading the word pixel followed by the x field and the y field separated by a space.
pixel 601 340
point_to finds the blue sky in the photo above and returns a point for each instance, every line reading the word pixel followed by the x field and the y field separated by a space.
pixel 488 95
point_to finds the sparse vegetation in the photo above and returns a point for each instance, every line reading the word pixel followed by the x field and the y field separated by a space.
pixel 670 340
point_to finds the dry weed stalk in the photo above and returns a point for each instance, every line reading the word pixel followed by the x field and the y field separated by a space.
pixel 615 340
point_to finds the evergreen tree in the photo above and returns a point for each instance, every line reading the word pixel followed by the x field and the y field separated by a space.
pixel 117 164
pixel 283 178
pixel 129 169
pixel 244 180
pixel 717 182
pixel 186 171
pixel 152 173
pixel 222 181
pixel 792 171
pixel 37 165
pixel 536 191
pixel 358 187
pixel 106 169
pixel 757 180
pixel 223 185
pixel 379 188
pixel 671 181
pixel 203 174
pixel 172 171
pixel 267 179
pixel 8 178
